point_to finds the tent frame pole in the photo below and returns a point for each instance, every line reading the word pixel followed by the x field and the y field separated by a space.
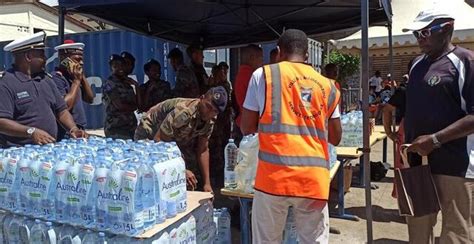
pixel 365 109
pixel 62 13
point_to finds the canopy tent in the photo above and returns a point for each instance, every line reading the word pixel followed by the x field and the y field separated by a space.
pixel 226 23
pixel 218 23
pixel 405 12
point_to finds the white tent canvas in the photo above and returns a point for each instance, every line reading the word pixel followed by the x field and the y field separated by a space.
pixel 404 12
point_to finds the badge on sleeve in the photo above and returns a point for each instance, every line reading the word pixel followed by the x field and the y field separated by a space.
pixel 434 80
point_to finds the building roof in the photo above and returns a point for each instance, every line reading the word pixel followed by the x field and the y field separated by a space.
pixel 49 9
pixel 404 12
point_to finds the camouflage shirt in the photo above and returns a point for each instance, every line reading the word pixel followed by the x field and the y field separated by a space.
pixel 156 92
pixel 177 118
pixel 186 83
pixel 119 123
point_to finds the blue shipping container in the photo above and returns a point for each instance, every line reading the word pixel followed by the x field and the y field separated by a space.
pixel 99 46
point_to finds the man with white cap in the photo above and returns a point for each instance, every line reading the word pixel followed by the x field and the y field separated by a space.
pixel 30 103
pixel 71 82
pixel 439 123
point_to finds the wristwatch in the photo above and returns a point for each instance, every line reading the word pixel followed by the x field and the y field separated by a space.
pixel 436 142
pixel 30 131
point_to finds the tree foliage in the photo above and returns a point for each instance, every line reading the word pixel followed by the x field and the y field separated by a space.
pixel 348 64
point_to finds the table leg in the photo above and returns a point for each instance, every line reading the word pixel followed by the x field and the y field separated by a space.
pixel 340 197
pixel 361 171
pixel 384 153
pixel 244 221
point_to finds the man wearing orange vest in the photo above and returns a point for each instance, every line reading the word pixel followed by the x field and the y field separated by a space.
pixel 295 111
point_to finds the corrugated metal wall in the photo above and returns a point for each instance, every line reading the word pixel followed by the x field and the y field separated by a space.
pixel 315 50
pixel 99 46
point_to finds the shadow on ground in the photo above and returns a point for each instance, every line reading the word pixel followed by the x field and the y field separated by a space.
pixel 388 241
pixel 379 214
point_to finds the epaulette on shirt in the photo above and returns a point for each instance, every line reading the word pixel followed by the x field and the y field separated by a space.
pixel 1 74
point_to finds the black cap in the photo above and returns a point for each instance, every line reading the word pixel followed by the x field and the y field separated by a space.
pixel 127 55
pixel 115 57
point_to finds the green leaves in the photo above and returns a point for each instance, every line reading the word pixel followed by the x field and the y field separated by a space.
pixel 348 64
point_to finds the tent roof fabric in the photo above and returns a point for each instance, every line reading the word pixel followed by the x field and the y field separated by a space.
pixel 404 12
pixel 218 23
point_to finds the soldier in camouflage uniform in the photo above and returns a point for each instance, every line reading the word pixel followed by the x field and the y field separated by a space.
pixel 120 102
pixel 188 122
pixel 155 90
pixel 221 133
pixel 186 82
pixel 196 55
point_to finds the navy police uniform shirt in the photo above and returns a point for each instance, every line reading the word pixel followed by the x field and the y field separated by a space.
pixel 439 93
pixel 63 83
pixel 33 102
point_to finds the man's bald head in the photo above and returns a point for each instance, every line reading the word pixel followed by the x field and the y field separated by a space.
pixel 252 55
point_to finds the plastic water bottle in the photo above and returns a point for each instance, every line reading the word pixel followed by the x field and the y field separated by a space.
pixel 99 187
pixel 74 193
pixel 223 229
pixel 3 216
pixel 114 199
pixel 13 195
pixel 161 210
pixel 89 238
pixel 102 238
pixel 25 229
pixel 66 234
pixel 38 233
pixel 230 154
pixel 24 176
pixel 36 187
pixel 14 230
pixel 47 175
pixel 60 191
pixel 131 191
pixel 51 234
pixel 147 178
pixel 87 203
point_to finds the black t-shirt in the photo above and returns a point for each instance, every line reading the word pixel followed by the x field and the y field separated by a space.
pixel 439 93
pixel 398 100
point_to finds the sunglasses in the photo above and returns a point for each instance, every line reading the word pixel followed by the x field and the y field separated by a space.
pixel 427 32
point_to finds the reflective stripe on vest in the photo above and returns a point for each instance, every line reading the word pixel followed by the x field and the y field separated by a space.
pixel 293 160
pixel 276 126
pixel 293 150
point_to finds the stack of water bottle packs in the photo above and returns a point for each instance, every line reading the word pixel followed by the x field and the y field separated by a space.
pixel 115 186
pixel 352 133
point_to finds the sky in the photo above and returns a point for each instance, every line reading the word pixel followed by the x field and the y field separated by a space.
pixel 50 2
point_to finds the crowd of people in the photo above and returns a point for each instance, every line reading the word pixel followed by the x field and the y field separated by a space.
pixel 294 109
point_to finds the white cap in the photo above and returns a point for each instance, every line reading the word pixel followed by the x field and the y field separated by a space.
pixel 425 18
pixel 35 41
pixel 70 45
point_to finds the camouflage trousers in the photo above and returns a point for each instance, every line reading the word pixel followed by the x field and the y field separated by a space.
pixel 219 139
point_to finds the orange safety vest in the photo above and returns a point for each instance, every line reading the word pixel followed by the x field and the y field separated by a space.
pixel 293 154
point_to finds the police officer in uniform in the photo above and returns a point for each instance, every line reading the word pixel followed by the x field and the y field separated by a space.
pixel 155 90
pixel 188 122
pixel 30 103
pixel 120 101
pixel 72 83
pixel 187 85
